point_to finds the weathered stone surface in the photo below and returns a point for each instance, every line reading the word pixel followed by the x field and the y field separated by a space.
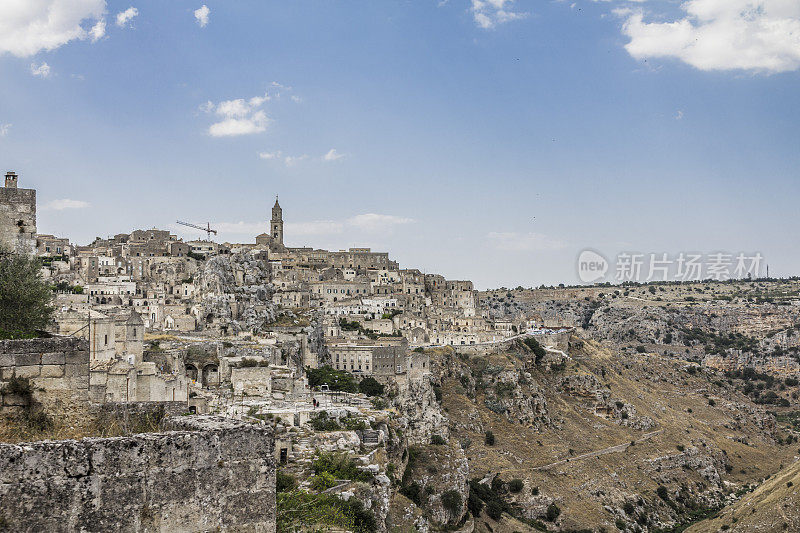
pixel 58 368
pixel 207 474
pixel 32 371
pixel 53 359
pixel 52 371
pixel 28 359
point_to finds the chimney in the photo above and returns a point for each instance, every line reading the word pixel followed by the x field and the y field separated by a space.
pixel 11 180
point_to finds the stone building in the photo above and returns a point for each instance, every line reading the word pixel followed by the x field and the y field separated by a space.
pixel 50 246
pixel 17 216
pixel 382 356
pixel 274 239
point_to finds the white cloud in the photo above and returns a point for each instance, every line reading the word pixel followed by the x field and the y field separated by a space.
pixel 375 222
pixel 332 155
pixel 4 129
pixel 523 242
pixel 750 35
pixel 28 27
pixel 98 31
pixel 679 115
pixel 41 70
pixel 291 160
pixel 231 127
pixel 490 13
pixel 239 116
pixel 123 17
pixel 66 203
pixel 201 15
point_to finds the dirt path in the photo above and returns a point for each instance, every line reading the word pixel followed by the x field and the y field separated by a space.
pixel 604 451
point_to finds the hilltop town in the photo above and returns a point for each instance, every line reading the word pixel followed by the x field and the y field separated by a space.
pixel 400 398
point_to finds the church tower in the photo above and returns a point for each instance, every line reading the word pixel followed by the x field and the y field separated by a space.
pixel 276 224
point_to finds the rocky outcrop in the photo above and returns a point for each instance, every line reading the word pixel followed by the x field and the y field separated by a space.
pixel 235 293
pixel 441 476
pixel 421 415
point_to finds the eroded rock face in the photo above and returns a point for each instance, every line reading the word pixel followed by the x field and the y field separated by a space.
pixel 422 414
pixel 235 292
pixel 442 474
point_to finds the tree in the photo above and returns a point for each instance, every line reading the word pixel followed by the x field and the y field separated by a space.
pixel 24 296
pixel 489 439
pixel 371 387
pixel 494 509
pixel 536 348
pixel 451 501
pixel 552 512
pixel 336 380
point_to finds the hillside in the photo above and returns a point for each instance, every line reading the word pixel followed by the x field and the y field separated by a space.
pixel 772 507
pixel 609 440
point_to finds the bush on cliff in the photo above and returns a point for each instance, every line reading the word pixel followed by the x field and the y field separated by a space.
pixel 340 466
pixel 536 348
pixel 371 387
pixel 298 510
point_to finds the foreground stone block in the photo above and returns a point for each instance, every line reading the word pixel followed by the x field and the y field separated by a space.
pixel 182 480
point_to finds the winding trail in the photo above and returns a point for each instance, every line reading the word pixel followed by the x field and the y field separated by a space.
pixel 604 451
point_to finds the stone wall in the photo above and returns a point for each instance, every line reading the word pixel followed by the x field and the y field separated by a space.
pixel 207 474
pixel 18 219
pixel 58 370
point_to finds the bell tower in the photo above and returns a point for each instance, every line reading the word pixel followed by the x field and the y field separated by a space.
pixel 276 224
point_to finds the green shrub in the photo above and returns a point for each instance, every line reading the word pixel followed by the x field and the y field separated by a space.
pixel 323 481
pixel 474 504
pixel 24 295
pixel 371 387
pixel 489 438
pixel 284 482
pixel 553 512
pixel 494 509
pixel 340 466
pixel 536 348
pixel 438 440
pixel 321 422
pixel 413 492
pixel 18 386
pixel 298 510
pixel 516 485
pixel 451 501
pixel 336 380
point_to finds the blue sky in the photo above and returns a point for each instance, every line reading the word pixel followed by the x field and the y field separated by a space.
pixel 490 141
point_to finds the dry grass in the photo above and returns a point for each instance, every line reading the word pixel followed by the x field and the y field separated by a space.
pixel 772 507
pixel 21 427
pixel 580 487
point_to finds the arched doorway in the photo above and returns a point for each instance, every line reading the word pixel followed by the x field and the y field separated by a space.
pixel 191 372
pixel 210 376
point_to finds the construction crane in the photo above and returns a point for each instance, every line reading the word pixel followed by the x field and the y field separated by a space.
pixel 207 229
